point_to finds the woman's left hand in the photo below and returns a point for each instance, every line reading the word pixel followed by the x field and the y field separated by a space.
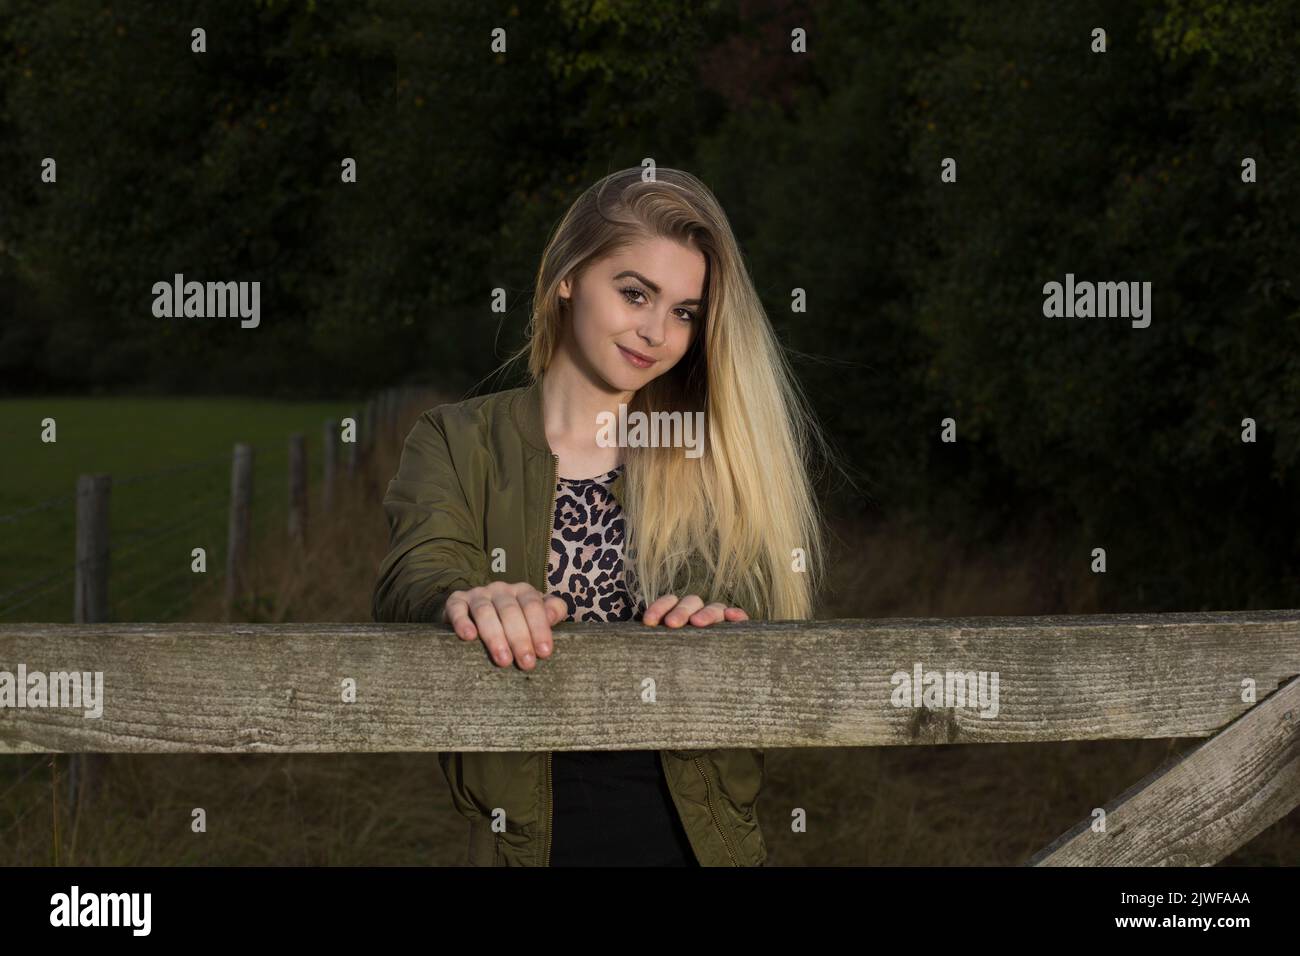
pixel 674 612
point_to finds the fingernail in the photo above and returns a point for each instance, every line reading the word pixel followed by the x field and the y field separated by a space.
pixel 528 658
pixel 543 648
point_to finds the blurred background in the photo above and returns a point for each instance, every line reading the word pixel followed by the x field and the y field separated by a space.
pixel 924 303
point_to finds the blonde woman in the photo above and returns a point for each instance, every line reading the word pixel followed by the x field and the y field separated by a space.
pixel 642 301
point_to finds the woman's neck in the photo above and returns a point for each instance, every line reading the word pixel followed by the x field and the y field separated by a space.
pixel 571 409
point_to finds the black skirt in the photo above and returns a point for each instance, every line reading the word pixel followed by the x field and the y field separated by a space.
pixel 613 808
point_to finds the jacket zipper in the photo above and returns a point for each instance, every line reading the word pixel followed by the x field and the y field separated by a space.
pixel 550 794
pixel 709 800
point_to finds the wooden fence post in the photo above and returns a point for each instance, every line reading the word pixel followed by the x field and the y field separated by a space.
pixel 330 459
pixel 354 449
pixel 298 490
pixel 90 600
pixel 368 429
pixel 241 524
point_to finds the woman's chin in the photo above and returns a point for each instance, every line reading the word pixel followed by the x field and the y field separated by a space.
pixel 625 379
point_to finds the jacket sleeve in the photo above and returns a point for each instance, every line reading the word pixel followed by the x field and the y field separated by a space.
pixel 434 545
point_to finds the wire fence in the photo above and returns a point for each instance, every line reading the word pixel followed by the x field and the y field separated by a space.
pixel 152 580
pixel 46 505
pixel 66 578
pixel 159 582
pixel 206 509
pixel 141 585
pixel 174 470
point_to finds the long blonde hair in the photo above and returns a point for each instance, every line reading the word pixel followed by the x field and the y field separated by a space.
pixel 747 505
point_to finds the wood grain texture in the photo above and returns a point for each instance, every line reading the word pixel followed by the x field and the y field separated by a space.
pixel 1202 806
pixel 208 688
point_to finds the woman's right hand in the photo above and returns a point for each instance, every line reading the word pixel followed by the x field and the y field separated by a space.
pixel 513 620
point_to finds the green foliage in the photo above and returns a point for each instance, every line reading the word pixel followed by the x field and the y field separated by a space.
pixel 927 297
pixel 227 165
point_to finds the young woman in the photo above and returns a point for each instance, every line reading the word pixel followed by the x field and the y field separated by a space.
pixel 510 513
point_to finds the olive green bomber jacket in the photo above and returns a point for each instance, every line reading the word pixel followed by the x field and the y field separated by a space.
pixel 477 476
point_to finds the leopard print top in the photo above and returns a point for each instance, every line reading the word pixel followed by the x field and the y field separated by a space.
pixel 610 807
pixel 586 563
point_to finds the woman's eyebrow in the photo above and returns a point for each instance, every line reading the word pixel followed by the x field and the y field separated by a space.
pixel 653 287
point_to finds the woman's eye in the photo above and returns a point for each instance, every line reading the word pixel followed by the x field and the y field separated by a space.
pixel 630 291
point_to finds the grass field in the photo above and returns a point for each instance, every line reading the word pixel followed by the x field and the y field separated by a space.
pixel 963 804
pixel 170 461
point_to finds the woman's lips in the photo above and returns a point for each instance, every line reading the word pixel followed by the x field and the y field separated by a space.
pixel 634 358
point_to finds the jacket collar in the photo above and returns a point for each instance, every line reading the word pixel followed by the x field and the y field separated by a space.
pixel 526 409
pixel 527 412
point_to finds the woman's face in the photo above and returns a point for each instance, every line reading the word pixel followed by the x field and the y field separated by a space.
pixel 644 299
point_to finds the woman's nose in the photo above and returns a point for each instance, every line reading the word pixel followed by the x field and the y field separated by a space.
pixel 652 331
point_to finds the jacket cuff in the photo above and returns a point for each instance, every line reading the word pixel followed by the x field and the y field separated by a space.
pixel 430 612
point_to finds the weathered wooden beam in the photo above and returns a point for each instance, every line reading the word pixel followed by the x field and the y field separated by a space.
pixel 1202 806
pixel 280 687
